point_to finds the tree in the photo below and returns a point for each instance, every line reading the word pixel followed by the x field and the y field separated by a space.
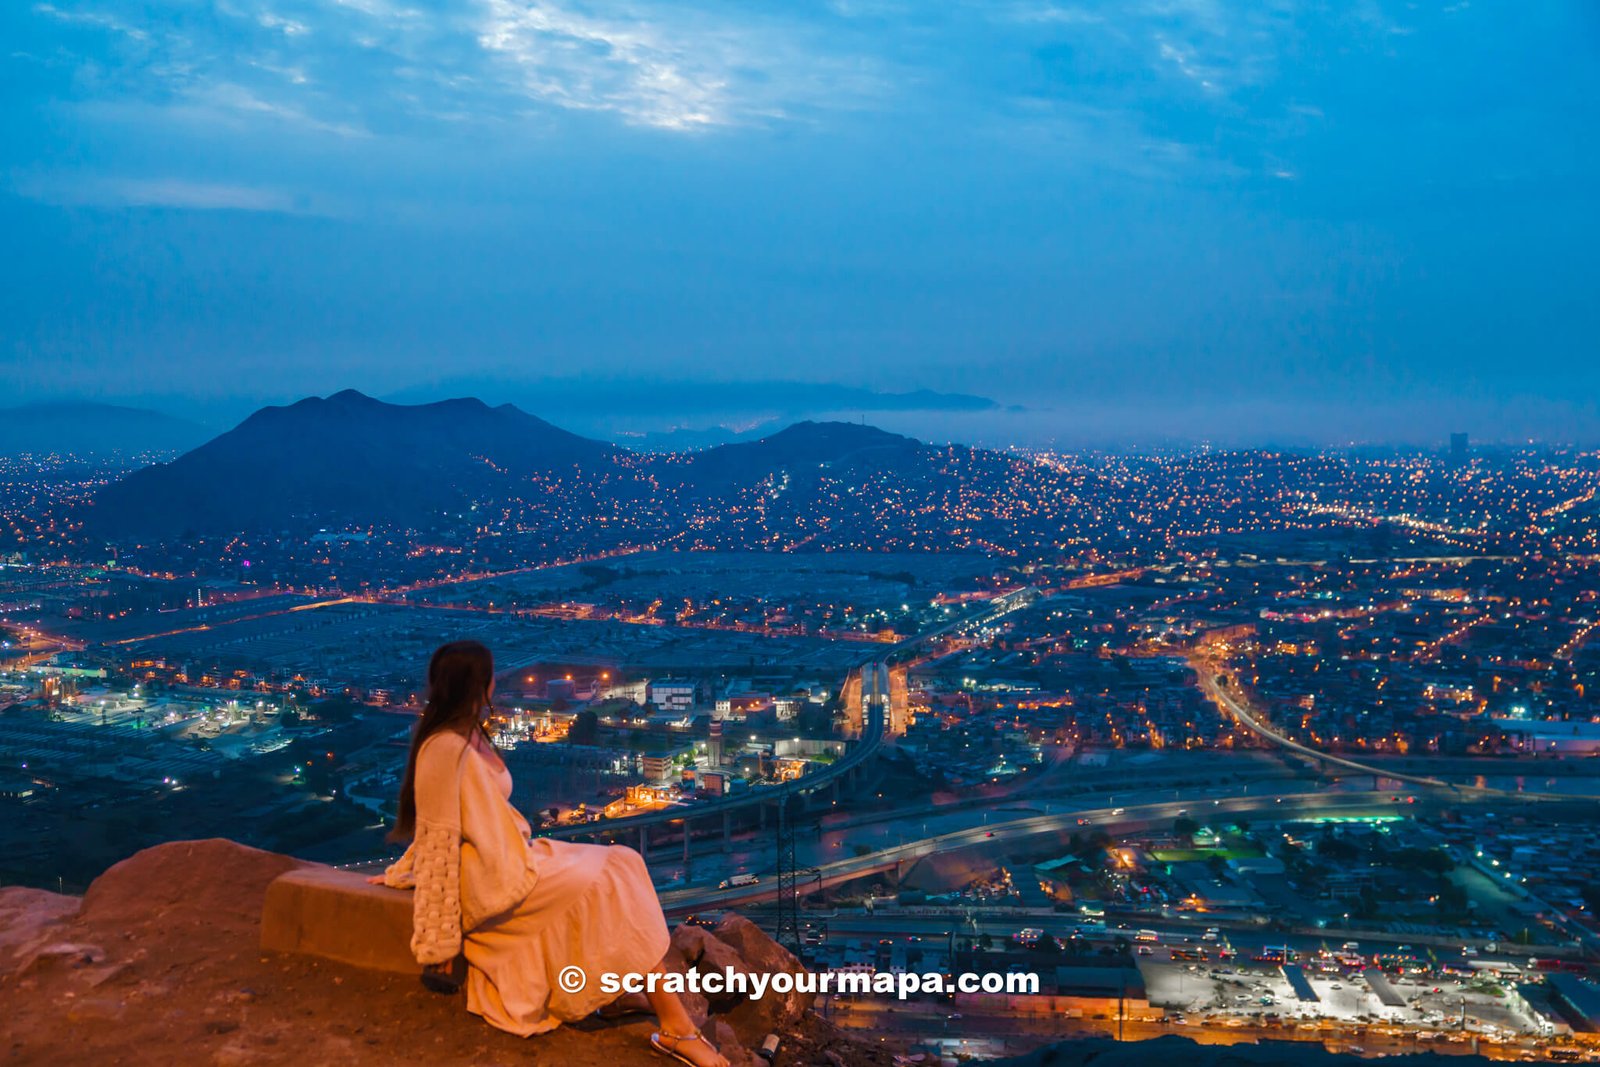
pixel 1367 902
pixel 335 709
pixel 1591 898
pixel 1335 847
pixel 585 729
pixel 316 767
pixel 1184 826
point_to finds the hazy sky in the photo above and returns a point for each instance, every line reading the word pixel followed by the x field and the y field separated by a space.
pixel 1262 220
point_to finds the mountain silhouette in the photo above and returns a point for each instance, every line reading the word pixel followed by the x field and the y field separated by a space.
pixel 90 429
pixel 805 455
pixel 346 458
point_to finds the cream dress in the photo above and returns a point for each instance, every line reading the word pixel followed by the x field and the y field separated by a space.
pixel 520 910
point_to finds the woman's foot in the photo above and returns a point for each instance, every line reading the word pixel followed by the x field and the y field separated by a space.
pixel 692 1049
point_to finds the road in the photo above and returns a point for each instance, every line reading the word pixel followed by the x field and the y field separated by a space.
pixel 1136 811
pixel 1209 670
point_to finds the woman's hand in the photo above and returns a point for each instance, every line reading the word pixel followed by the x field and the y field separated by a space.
pixel 374 879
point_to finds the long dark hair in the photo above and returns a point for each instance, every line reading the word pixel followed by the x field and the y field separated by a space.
pixel 459 674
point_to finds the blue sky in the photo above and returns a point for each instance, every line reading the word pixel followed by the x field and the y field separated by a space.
pixel 1119 222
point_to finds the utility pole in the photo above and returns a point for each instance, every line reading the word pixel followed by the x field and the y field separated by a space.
pixel 788 931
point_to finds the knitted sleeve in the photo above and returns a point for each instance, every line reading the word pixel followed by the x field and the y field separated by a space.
pixel 436 852
pixel 436 908
pixel 398 874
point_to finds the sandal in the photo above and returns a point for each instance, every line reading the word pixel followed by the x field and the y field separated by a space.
pixel 660 1037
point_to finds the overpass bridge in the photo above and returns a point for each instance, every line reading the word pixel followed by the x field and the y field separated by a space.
pixel 1208 673
pixel 1125 818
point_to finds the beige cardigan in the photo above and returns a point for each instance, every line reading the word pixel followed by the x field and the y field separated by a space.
pixel 468 860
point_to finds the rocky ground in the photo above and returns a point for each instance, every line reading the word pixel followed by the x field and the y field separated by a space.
pixel 158 964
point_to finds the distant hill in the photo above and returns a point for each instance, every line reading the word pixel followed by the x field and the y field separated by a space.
pixel 349 459
pixel 685 439
pixel 88 429
pixel 346 458
pixel 805 446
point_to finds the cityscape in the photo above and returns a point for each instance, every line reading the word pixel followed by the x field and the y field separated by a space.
pixel 829 533
pixel 1240 745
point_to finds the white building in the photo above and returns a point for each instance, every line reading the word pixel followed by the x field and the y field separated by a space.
pixel 671 694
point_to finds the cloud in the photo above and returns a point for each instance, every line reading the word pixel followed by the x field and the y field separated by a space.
pixel 1198 89
pixel 288 27
pixel 1238 87
pixel 78 191
pixel 629 67
pixel 1215 47
pixel 95 19
pixel 231 97
pixel 344 65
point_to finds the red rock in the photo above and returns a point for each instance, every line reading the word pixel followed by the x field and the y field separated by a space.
pixel 177 977
pixel 30 919
pixel 215 879
pixel 755 1019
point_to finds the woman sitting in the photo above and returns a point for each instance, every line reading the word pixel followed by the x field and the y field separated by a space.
pixel 520 911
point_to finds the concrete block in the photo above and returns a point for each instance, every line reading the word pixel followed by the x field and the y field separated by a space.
pixel 337 915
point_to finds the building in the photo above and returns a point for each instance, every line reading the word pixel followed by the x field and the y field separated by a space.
pixel 743 705
pixel 656 768
pixel 1568 738
pixel 1578 1001
pixel 788 768
pixel 16 786
pixel 714 745
pixel 1458 448
pixel 1107 984
pixel 672 694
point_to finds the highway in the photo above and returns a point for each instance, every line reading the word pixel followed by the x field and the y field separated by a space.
pixel 1208 672
pixel 1140 810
